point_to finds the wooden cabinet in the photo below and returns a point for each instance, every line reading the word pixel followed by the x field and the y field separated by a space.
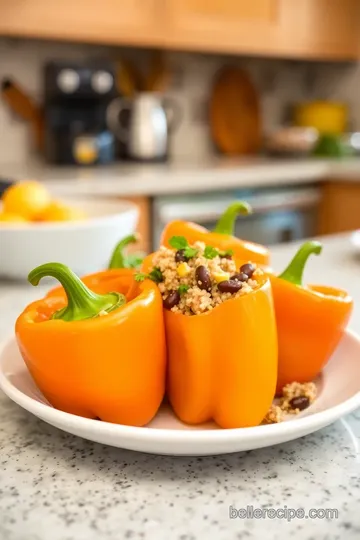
pixel 224 25
pixel 296 28
pixel 292 28
pixel 144 223
pixel 321 29
pixel 105 21
pixel 339 207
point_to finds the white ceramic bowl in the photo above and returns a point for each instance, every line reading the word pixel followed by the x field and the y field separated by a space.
pixel 85 245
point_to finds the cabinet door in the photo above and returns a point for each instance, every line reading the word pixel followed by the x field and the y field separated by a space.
pixel 229 25
pixel 294 28
pixel 321 28
pixel 106 21
pixel 339 207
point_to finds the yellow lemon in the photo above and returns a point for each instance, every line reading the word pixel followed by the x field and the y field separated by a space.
pixel 26 199
pixel 57 211
pixel 8 217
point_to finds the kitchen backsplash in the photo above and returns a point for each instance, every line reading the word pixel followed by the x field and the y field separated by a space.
pixel 279 82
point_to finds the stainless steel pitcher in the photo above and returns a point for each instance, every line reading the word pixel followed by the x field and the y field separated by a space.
pixel 152 118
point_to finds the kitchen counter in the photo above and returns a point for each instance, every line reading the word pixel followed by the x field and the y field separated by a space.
pixel 179 177
pixel 59 487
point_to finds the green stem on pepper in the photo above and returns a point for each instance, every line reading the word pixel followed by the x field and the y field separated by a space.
pixel 295 270
pixel 82 302
pixel 118 258
pixel 226 223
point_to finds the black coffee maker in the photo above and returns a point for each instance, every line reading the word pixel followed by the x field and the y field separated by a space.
pixel 75 102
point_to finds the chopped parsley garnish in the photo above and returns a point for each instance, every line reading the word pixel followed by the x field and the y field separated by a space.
pixel 155 275
pixel 140 276
pixel 210 252
pixel 133 260
pixel 183 289
pixel 227 252
pixel 180 242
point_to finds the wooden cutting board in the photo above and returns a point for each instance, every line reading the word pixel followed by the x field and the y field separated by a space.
pixel 235 120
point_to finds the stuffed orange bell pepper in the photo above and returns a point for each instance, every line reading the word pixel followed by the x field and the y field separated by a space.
pixel 222 237
pixel 96 355
pixel 117 276
pixel 220 335
pixel 310 320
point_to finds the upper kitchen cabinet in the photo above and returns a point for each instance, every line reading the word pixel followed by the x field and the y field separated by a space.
pixel 133 22
pixel 319 29
pixel 293 28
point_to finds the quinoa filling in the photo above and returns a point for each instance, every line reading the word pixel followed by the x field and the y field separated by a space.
pixel 194 279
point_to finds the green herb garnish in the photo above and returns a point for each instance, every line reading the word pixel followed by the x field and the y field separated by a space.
pixel 141 276
pixel 155 275
pixel 226 252
pixel 183 289
pixel 180 242
pixel 133 260
pixel 210 252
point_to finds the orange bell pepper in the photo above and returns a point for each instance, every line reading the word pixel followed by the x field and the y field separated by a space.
pixel 117 276
pixel 222 365
pixel 222 236
pixel 96 355
pixel 101 282
pixel 310 320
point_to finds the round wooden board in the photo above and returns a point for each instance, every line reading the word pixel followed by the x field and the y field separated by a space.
pixel 235 113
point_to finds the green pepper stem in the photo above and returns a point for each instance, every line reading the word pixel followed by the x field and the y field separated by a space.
pixel 118 259
pixel 295 270
pixel 82 302
pixel 226 223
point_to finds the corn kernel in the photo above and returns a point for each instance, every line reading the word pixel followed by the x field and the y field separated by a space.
pixel 183 269
pixel 221 276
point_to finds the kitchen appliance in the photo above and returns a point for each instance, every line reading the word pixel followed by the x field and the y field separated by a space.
pixel 151 119
pixel 4 184
pixel 76 99
pixel 279 214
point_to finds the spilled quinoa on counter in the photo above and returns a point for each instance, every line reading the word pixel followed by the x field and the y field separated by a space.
pixel 193 279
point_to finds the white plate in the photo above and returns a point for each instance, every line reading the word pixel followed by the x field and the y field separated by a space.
pixel 338 394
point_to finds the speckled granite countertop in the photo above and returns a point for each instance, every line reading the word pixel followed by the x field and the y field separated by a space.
pixel 54 486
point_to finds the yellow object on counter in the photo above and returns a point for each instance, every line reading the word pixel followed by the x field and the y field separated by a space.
pixel 57 211
pixel 8 217
pixel 325 116
pixel 26 199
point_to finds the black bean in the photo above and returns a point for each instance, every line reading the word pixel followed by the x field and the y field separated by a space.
pixel 248 269
pixel 232 286
pixel 300 402
pixel 172 299
pixel 240 276
pixel 202 277
pixel 226 256
pixel 180 256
